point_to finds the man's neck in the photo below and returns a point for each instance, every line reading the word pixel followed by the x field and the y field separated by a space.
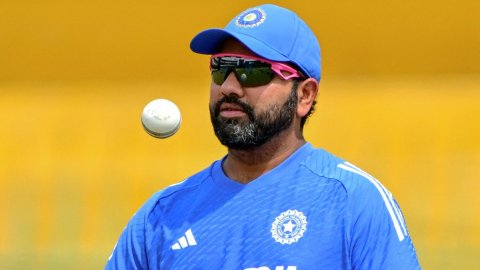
pixel 246 165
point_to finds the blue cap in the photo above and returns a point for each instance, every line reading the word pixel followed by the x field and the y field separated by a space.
pixel 270 31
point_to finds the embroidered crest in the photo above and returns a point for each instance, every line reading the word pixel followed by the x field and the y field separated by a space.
pixel 289 226
pixel 251 18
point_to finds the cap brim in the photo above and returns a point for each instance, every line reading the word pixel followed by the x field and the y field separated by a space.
pixel 210 42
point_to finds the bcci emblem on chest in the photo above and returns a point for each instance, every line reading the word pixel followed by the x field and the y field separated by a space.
pixel 289 226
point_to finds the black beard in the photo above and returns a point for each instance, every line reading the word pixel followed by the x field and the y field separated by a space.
pixel 243 134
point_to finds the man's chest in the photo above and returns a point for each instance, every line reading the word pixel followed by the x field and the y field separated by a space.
pixel 284 230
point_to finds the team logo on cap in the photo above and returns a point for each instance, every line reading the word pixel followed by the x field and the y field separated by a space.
pixel 289 226
pixel 251 18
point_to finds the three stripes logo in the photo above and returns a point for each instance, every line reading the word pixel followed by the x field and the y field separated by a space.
pixel 185 241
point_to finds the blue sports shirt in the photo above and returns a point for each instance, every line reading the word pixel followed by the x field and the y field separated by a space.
pixel 313 211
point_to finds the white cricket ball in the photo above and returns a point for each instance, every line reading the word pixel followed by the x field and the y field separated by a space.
pixel 161 118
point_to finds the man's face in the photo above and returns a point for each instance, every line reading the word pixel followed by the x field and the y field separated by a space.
pixel 258 127
pixel 246 117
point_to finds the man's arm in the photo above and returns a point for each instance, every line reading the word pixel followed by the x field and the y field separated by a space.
pixel 129 252
pixel 378 234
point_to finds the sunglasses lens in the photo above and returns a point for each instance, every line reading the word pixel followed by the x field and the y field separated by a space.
pixel 254 76
pixel 219 75
pixel 248 73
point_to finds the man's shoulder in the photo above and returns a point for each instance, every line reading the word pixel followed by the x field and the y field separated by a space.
pixel 169 193
pixel 333 168
pixel 364 192
pixel 189 183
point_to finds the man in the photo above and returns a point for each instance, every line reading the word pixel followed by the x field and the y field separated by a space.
pixel 274 201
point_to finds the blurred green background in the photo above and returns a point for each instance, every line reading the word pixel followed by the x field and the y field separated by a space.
pixel 400 97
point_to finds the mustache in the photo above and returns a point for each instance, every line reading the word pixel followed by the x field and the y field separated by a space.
pixel 233 100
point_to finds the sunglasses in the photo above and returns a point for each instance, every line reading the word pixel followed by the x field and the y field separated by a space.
pixel 250 71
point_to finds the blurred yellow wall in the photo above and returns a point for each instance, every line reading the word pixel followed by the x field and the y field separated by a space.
pixel 400 97
pixel 149 39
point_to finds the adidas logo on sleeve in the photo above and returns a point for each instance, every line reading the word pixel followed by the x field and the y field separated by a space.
pixel 185 241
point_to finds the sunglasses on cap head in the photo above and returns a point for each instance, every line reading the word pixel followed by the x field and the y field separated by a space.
pixel 250 71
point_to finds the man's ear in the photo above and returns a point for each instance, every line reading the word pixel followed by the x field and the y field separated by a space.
pixel 306 92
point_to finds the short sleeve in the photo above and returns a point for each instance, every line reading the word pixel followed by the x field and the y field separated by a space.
pixel 129 252
pixel 379 236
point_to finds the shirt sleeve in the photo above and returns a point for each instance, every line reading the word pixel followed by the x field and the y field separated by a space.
pixel 129 252
pixel 379 236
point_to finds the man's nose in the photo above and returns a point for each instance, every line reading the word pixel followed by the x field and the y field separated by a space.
pixel 231 86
